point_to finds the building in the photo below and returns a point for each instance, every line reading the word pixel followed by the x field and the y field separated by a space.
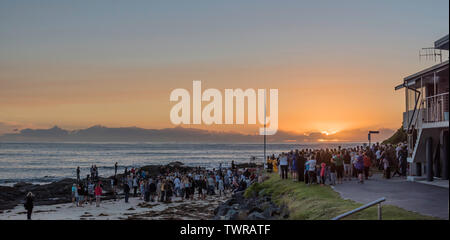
pixel 426 119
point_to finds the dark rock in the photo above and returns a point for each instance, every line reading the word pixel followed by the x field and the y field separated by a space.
pixel 231 215
pixel 235 206
pixel 256 216
pixel 246 165
pixel 271 211
pixel 255 209
pixel 252 208
pixel 230 202
pixel 22 184
pixel 221 210
pixel 176 163
pixel 284 212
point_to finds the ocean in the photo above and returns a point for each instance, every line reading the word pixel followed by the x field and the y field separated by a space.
pixel 42 163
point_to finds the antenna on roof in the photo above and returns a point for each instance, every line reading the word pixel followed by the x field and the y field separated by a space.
pixel 430 53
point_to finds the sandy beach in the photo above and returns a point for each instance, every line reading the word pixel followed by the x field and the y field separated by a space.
pixel 135 209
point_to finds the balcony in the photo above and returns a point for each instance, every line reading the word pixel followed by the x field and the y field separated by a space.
pixel 434 111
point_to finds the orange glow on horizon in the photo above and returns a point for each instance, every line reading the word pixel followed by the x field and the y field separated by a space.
pixel 329 132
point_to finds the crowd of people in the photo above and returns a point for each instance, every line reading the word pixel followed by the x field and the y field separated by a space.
pixel 198 183
pixel 312 166
pixel 333 166
pixel 91 188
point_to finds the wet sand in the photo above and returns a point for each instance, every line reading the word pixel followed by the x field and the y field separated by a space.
pixel 119 210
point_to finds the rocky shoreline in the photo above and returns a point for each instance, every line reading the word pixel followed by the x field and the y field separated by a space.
pixel 257 207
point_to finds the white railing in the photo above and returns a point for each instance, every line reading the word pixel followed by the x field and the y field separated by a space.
pixel 435 108
pixel 376 202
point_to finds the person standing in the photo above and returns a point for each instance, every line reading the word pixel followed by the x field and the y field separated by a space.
pixel 269 165
pixel 96 172
pixel 378 159
pixel 142 184
pixel 29 204
pixel 80 195
pixel 135 186
pixel 91 170
pixel 347 166
pixel 332 172
pixel 98 194
pixel 311 163
pixel 114 187
pixel 211 185
pixel 339 162
pixel 115 169
pixel 74 194
pixel 177 188
pixel 386 167
pixel 300 167
pixel 158 189
pixel 86 191
pixel 284 166
pixel 367 164
pixel 168 192
pixel 91 191
pixel 126 190
pixel 152 189
pixel 322 173
pixel 294 165
pixel 163 190
pixel 354 161
pixel 185 184
pixel 78 174
pixel 403 162
pixel 359 165
pixel 220 186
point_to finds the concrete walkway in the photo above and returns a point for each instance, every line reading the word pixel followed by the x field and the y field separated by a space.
pixel 424 199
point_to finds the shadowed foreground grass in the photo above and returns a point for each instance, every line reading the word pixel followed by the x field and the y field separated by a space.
pixel 322 203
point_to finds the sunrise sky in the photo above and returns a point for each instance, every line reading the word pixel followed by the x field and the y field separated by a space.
pixel 81 63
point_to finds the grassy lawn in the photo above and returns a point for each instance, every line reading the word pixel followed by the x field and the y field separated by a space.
pixel 317 202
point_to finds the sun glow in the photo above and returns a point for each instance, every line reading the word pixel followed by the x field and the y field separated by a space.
pixel 329 132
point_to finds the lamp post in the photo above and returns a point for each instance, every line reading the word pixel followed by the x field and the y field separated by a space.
pixel 372 132
pixel 264 160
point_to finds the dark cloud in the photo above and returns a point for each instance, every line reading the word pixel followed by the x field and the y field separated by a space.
pixel 101 133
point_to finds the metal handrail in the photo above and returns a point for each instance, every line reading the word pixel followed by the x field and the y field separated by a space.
pixel 415 106
pixel 378 201
pixel 435 107
pixel 438 95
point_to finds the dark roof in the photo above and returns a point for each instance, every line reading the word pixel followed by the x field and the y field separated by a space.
pixel 410 80
pixel 442 43
pixel 426 71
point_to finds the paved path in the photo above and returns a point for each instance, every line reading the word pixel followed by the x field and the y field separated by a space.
pixel 417 197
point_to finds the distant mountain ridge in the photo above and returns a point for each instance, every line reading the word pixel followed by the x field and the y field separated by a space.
pixel 100 133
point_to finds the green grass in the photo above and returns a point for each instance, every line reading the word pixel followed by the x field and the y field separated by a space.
pixel 316 202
